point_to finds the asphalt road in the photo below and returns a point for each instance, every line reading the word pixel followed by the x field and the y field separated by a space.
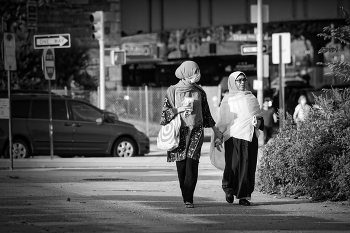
pixel 142 194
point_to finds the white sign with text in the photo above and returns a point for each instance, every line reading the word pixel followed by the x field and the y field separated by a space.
pixel 4 109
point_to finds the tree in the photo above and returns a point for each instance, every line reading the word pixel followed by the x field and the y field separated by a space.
pixel 340 69
pixel 29 73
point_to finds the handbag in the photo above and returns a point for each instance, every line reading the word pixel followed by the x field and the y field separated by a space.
pixel 169 134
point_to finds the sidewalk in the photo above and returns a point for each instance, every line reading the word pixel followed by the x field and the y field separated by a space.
pixel 158 155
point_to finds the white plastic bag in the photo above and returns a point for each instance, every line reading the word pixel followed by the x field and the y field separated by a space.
pixel 217 158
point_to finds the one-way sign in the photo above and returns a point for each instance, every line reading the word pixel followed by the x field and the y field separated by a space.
pixel 52 41
pixel 251 49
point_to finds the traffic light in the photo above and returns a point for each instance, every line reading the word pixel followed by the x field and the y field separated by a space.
pixel 96 19
pixel 118 57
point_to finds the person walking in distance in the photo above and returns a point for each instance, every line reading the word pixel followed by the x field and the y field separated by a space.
pixel 270 117
pixel 301 110
pixel 194 118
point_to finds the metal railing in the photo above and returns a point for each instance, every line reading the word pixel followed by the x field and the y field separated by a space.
pixel 140 106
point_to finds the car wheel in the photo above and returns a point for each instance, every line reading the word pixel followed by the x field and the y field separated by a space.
pixel 124 147
pixel 20 149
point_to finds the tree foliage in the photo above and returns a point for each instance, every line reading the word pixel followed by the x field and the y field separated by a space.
pixel 340 69
pixel 70 63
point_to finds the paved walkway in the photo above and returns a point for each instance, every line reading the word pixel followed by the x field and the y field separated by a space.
pixel 142 194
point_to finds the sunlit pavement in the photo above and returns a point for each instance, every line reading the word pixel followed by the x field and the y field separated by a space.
pixel 141 194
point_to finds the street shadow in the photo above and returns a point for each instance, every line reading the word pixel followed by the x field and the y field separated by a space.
pixel 219 215
pixel 299 201
pixel 150 213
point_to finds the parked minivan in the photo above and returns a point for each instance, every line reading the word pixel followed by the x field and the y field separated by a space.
pixel 79 128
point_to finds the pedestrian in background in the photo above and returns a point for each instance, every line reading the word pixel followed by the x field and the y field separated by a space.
pixel 270 117
pixel 193 119
pixel 239 122
pixel 301 110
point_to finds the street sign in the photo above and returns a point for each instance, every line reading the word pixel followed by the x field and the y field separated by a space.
pixel 49 64
pixel 9 51
pixel 4 109
pixel 286 48
pixel 251 49
pixel 52 41
pixel 266 65
pixel 118 57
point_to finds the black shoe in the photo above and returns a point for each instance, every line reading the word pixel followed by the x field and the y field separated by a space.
pixel 244 202
pixel 229 198
pixel 189 205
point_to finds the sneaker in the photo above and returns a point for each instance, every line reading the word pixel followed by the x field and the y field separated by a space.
pixel 244 202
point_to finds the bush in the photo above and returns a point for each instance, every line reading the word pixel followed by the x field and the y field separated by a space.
pixel 315 158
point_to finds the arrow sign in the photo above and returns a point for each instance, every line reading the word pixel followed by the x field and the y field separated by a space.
pixel 251 49
pixel 52 41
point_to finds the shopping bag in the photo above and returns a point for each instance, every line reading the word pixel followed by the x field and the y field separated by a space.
pixel 169 135
pixel 217 158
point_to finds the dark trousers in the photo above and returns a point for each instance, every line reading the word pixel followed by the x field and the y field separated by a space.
pixel 187 171
pixel 268 131
pixel 240 165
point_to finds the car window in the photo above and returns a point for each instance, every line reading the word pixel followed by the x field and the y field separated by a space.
pixel 20 108
pixel 40 109
pixel 84 112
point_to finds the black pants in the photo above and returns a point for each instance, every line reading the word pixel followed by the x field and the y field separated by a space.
pixel 268 131
pixel 187 171
pixel 240 166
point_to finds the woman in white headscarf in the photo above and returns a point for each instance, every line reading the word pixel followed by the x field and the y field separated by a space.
pixel 193 119
pixel 239 122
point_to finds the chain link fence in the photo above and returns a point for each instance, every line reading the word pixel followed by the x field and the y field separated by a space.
pixel 140 106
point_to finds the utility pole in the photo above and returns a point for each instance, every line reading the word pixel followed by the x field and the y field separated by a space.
pixel 259 62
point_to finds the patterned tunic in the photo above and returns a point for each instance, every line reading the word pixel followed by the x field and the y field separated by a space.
pixel 192 148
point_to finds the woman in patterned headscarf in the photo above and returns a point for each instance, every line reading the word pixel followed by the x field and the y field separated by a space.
pixel 239 122
pixel 193 119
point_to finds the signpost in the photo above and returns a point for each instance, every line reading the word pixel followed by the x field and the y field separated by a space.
pixel 48 43
pixel 281 54
pixel 259 15
pixel 52 41
pixel 48 59
pixel 9 58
